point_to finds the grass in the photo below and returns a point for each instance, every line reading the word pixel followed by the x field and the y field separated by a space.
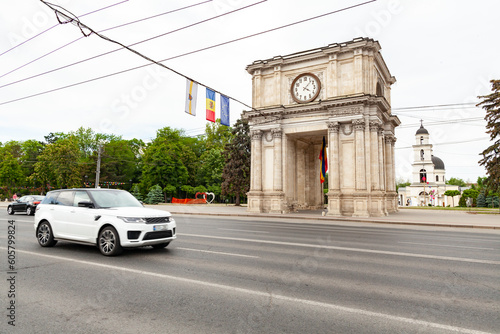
pixel 471 210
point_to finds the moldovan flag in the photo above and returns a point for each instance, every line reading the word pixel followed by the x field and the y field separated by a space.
pixel 224 110
pixel 324 162
pixel 191 93
pixel 210 105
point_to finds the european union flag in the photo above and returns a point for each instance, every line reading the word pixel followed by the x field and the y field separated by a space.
pixel 224 110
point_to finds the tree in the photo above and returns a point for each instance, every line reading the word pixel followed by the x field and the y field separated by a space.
pixel 456 182
pixel 452 193
pixel 469 193
pixel 163 160
pixel 58 164
pixel 481 200
pixel 491 155
pixel 236 172
pixel 400 183
pixel 136 192
pixel 155 195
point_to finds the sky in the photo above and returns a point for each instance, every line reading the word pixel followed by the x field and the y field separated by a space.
pixel 442 53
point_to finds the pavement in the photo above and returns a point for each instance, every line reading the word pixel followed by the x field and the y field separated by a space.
pixel 405 216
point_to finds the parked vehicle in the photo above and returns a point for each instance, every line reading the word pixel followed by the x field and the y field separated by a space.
pixel 111 219
pixel 26 204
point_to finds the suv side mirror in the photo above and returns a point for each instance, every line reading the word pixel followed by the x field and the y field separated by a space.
pixel 85 204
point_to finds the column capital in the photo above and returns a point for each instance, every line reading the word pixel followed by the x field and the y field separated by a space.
pixel 333 127
pixel 256 134
pixel 390 139
pixel 359 124
pixel 277 132
pixel 374 126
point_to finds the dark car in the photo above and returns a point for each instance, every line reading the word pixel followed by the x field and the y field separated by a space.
pixel 25 204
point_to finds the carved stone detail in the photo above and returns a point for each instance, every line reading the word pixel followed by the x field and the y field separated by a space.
pixel 256 134
pixel 374 126
pixel 277 133
pixel 346 111
pixel 359 124
pixel 333 127
pixel 347 129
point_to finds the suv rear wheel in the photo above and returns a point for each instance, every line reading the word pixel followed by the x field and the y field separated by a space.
pixel 44 235
pixel 109 242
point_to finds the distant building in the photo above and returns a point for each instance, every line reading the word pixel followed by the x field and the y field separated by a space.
pixel 428 177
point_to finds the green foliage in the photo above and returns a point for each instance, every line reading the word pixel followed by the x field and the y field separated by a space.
pixel 169 190
pixel 136 192
pixel 472 193
pixel 58 164
pixel 11 172
pixel 164 159
pixel 481 200
pixel 188 190
pixel 452 193
pixel 236 172
pixel 491 155
pixel 119 162
pixel 155 195
pixel 456 182
pixel 402 183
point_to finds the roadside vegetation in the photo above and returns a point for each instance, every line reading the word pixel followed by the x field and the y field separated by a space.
pixel 173 164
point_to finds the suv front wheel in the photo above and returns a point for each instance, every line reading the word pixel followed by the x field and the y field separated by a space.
pixel 109 242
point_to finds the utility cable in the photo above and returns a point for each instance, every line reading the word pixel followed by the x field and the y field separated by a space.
pixel 31 38
pixel 192 52
pixel 112 51
pixel 79 38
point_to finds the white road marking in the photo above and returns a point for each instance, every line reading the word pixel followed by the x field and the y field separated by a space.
pixel 334 307
pixel 222 253
pixel 419 243
pixel 359 250
pixel 232 229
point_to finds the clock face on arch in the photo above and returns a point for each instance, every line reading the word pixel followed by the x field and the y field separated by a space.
pixel 305 88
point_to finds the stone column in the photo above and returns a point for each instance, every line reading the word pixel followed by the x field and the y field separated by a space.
pixel 333 156
pixel 388 162
pixel 334 193
pixel 278 164
pixel 374 158
pixel 381 158
pixel 256 184
pixel 359 134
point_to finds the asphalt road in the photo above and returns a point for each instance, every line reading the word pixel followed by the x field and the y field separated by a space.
pixel 239 275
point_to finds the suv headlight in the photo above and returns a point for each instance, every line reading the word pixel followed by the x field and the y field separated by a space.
pixel 133 220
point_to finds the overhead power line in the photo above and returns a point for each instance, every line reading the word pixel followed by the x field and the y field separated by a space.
pixel 433 107
pixel 192 52
pixel 55 25
pixel 79 38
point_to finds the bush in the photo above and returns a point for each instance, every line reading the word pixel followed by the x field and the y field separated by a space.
pixel 136 192
pixel 155 195
pixel 481 200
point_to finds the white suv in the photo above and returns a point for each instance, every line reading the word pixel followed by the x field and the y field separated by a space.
pixel 111 219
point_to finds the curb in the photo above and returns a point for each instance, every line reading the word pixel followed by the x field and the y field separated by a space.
pixel 331 219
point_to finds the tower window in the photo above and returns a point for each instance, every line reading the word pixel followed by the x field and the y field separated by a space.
pixel 422 155
pixel 421 140
pixel 423 176
pixel 437 178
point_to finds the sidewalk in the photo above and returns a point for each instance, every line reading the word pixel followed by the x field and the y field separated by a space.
pixel 405 216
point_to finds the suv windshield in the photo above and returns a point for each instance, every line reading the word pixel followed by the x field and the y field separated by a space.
pixel 113 199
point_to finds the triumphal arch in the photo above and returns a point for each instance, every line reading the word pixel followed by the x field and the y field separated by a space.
pixel 341 92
